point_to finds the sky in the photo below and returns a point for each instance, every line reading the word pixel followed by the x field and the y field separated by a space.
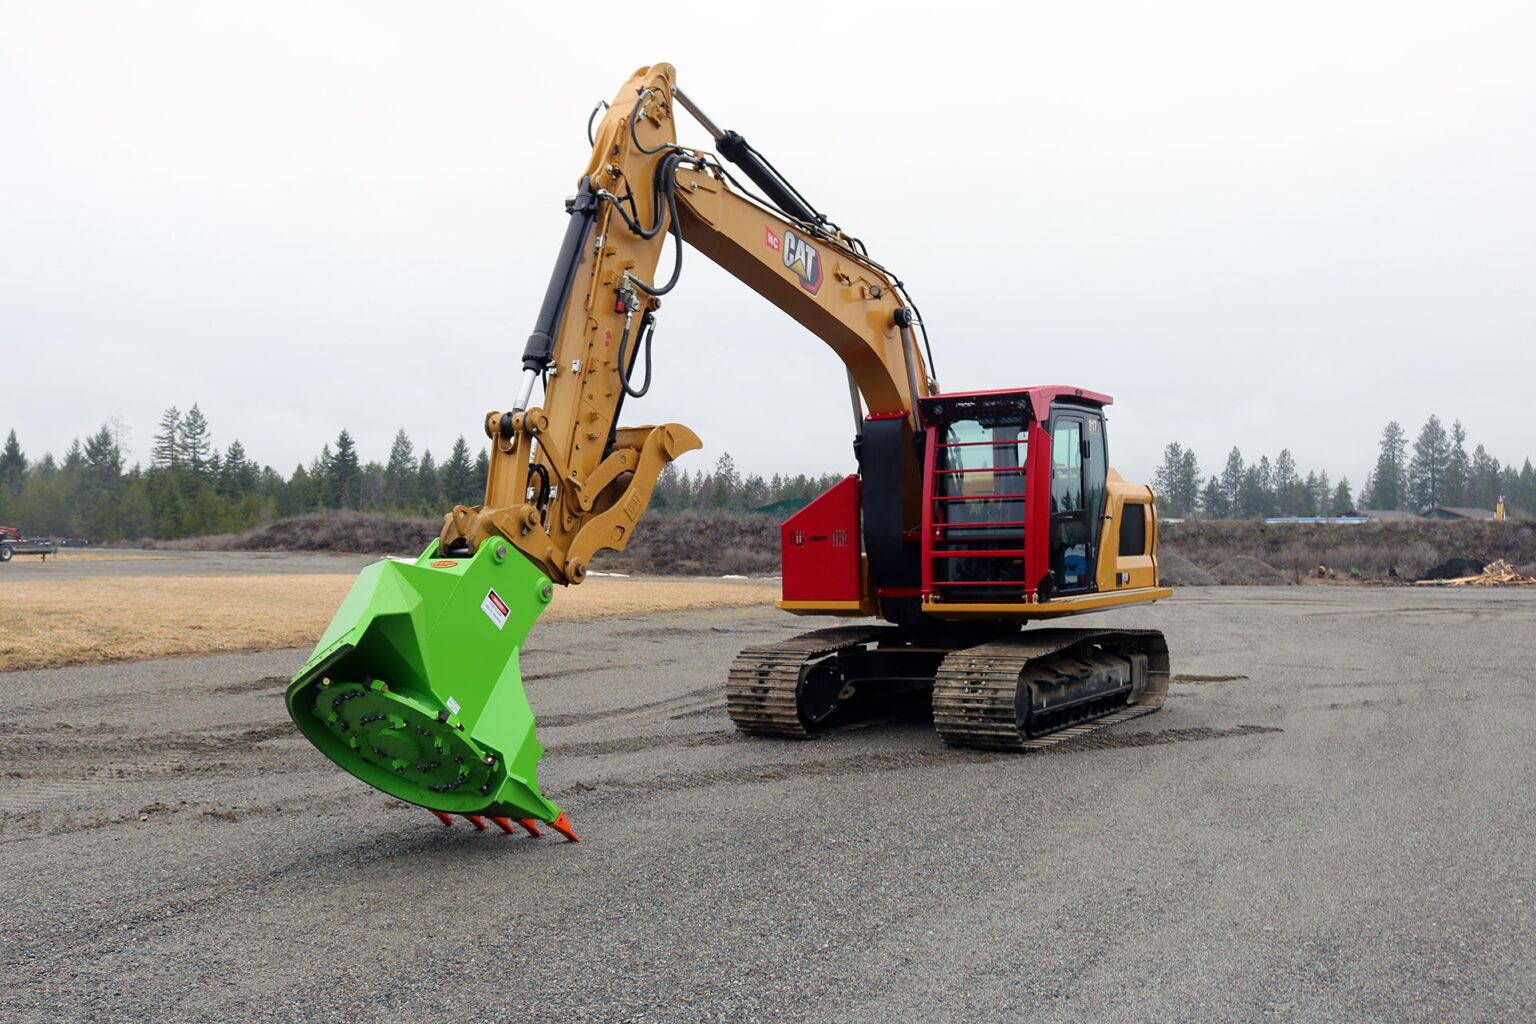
pixel 1265 226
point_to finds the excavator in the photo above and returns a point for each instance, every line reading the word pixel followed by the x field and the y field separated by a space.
pixel 971 515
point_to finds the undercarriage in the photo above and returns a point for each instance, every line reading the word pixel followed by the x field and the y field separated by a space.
pixel 1014 690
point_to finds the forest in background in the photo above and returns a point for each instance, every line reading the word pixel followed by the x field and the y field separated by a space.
pixel 191 487
pixel 1435 470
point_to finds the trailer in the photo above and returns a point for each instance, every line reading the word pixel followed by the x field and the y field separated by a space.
pixel 12 543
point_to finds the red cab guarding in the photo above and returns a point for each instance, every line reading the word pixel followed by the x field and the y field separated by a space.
pixel 821 546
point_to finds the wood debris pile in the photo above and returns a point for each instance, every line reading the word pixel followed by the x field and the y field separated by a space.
pixel 1498 574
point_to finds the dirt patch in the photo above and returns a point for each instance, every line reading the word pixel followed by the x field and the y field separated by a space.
pixel 1244 571
pixel 1177 571
pixel 49 623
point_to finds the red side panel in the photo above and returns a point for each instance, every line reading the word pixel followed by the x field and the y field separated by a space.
pixel 821 545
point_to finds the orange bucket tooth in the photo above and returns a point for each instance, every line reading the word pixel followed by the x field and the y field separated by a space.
pixel 530 826
pixel 505 824
pixel 475 820
pixel 563 826
pixel 445 819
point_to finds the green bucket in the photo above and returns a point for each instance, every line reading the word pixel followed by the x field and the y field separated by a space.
pixel 415 687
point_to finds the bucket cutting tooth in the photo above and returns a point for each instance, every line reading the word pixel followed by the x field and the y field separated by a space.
pixel 563 826
pixel 530 826
pixel 445 819
pixel 476 820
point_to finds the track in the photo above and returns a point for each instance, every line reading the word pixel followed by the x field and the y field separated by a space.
pixel 838 677
pixel 764 693
pixel 976 694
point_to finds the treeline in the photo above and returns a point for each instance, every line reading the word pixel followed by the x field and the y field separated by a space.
pixel 1436 470
pixel 726 489
pixel 193 487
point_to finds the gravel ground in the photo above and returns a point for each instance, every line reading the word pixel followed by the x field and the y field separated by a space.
pixel 1331 820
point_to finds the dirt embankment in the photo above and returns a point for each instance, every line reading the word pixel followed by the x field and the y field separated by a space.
pixel 359 533
pixel 686 544
pixel 720 543
pixel 1375 549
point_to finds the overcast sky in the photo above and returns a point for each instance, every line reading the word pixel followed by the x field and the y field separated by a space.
pixel 1262 225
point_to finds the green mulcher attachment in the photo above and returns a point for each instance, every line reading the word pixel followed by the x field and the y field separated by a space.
pixel 415 686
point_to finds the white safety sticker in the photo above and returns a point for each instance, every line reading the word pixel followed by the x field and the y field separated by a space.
pixel 495 607
pixel 453 705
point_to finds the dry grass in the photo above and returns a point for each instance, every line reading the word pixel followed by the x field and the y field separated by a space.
pixel 105 555
pixel 50 623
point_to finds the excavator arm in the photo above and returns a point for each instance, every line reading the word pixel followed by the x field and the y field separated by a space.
pixel 415 687
pixel 566 481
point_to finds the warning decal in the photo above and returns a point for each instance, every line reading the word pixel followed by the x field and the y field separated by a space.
pixel 495 607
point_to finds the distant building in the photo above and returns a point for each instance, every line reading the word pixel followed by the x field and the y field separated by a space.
pixel 1349 520
pixel 1387 515
pixel 1449 512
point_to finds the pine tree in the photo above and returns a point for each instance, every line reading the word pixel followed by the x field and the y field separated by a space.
pixel 1483 487
pixel 1388 480
pixel 1189 482
pixel 664 494
pixel 482 473
pixel 103 461
pixel 1342 504
pixel 166 451
pixel 1253 496
pixel 1167 481
pixel 346 473
pixel 1265 475
pixel 1430 466
pixel 727 482
pixel 13 464
pixel 194 444
pixel 458 475
pixel 298 496
pixel 1232 484
pixel 239 476
pixel 400 473
pixel 428 482
pixel 1458 467
pixel 1290 496
pixel 1213 500
pixel 321 479
pixel 74 457
pixel 754 491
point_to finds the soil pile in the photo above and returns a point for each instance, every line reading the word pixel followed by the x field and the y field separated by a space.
pixel 1177 571
pixel 1244 571
pixel 365 533
pixel 1454 568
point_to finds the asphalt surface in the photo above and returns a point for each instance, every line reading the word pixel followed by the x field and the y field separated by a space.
pixel 1331 820
pixel 100 562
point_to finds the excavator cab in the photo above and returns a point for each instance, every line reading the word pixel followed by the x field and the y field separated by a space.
pixel 1015 491
pixel 1020 518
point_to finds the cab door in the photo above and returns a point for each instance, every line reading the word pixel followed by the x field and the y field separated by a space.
pixel 1077 497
